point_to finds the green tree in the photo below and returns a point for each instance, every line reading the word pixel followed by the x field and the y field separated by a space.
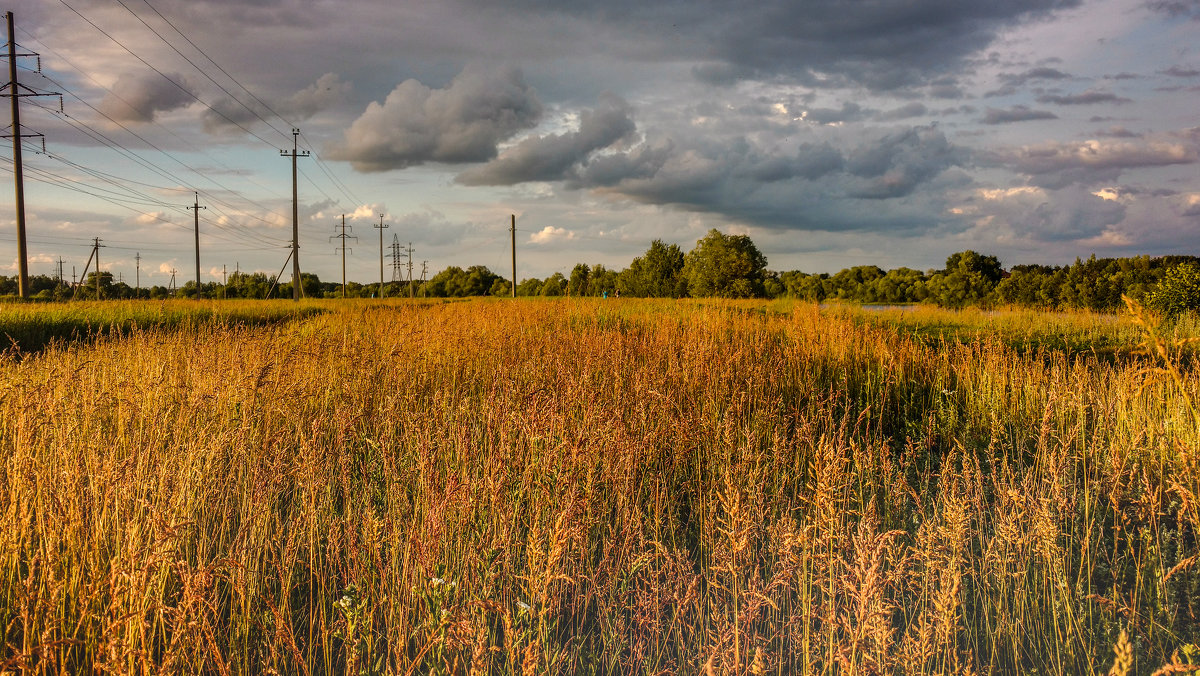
pixel 727 266
pixel 578 284
pixel 1178 292
pixel 601 280
pixel 1024 286
pixel 453 281
pixel 555 285
pixel 773 285
pixel 814 287
pixel 855 283
pixel 530 287
pixel 87 290
pixel 969 279
pixel 658 273
pixel 501 288
pixel 902 285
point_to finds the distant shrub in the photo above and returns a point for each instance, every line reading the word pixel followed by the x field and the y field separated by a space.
pixel 1178 292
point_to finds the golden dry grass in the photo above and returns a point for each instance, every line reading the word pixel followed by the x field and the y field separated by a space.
pixel 591 487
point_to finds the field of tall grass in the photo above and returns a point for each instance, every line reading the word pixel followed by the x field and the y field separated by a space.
pixel 585 486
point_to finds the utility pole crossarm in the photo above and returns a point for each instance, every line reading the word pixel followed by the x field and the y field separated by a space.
pixel 196 208
pixel 343 237
pixel 381 228
pixel 513 232
pixel 17 91
pixel 295 153
pixel 409 255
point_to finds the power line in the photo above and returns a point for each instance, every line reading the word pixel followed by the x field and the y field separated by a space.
pixel 112 197
pixel 65 183
pixel 92 132
pixel 154 168
pixel 336 181
pixel 166 77
pixel 193 64
pixel 223 71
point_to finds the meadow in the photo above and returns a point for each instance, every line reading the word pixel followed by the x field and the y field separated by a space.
pixel 586 486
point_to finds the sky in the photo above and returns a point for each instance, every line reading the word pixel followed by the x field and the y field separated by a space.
pixel 833 132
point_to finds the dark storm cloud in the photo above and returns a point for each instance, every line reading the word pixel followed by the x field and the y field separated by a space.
pixel 227 116
pixel 742 181
pixel 140 99
pixel 1041 73
pixel 463 122
pixel 908 110
pixel 946 88
pixel 552 157
pixel 1176 8
pixel 1090 97
pixel 1015 114
pixel 1013 82
pixel 1090 162
pixel 897 163
pixel 1181 71
pixel 1057 215
pixel 721 74
pixel 810 162
pixel 1118 132
pixel 880 44
pixel 1073 214
pixel 849 112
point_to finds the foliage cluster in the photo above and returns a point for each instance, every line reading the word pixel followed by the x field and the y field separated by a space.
pixel 1178 292
pixel 731 266
pixel 643 487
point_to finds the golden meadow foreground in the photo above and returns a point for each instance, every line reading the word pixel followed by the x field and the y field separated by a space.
pixel 594 487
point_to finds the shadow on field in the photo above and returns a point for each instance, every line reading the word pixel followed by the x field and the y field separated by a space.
pixel 27 332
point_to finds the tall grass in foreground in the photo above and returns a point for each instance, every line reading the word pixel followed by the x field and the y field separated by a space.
pixel 590 487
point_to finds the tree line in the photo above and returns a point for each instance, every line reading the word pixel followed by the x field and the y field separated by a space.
pixel 731 266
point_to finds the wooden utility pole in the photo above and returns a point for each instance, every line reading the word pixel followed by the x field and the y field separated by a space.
pixel 513 231
pixel 381 227
pixel 16 90
pixel 138 283
pixel 196 208
pixel 295 213
pixel 96 247
pixel 275 281
pixel 343 237
pixel 82 277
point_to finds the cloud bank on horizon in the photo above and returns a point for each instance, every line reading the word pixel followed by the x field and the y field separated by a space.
pixel 894 134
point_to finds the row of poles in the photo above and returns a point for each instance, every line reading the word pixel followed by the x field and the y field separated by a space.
pixel 17 91
pixel 396 256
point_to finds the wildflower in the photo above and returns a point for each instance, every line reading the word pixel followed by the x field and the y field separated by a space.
pixel 522 606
